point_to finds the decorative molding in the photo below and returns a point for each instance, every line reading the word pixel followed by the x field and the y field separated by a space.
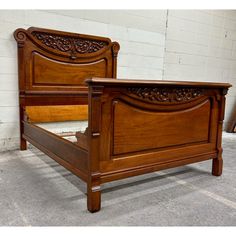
pixel 97 90
pixel 165 94
pixel 69 44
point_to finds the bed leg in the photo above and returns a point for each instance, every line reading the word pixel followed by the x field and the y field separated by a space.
pixel 93 198
pixel 217 164
pixel 23 143
pixel 94 193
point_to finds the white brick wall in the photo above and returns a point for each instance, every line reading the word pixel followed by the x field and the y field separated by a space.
pixel 196 45
pixel 141 35
pixel 201 46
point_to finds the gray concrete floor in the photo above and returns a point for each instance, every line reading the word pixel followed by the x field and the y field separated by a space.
pixel 36 191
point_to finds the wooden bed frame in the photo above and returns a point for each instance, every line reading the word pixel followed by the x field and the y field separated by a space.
pixel 134 127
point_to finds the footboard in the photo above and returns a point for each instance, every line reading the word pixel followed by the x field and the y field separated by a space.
pixel 143 126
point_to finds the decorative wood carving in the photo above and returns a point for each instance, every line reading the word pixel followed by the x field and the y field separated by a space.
pixel 165 94
pixel 69 44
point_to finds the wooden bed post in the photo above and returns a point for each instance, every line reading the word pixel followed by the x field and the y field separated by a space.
pixel 23 143
pixel 94 125
pixel 21 37
pixel 217 163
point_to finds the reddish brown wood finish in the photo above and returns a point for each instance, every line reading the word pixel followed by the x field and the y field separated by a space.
pixel 134 127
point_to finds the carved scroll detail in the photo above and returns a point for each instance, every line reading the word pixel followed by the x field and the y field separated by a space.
pixel 165 94
pixel 20 36
pixel 115 48
pixel 69 44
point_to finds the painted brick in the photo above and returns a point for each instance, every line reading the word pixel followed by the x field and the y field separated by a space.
pixel 8 82
pixel 8 65
pixel 153 14
pixel 123 59
pixel 145 61
pixel 135 35
pixel 117 32
pixel 8 48
pixel 14 16
pixel 183 47
pixel 194 60
pixel 8 98
pixel 145 49
pixel 7 29
pixel 122 72
pixel 9 114
pixel 71 13
pixel 94 28
pixel 96 15
pixel 181 24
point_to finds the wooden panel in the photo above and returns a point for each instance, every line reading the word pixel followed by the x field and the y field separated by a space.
pixel 145 168
pixel 57 113
pixel 54 73
pixel 151 157
pixel 148 130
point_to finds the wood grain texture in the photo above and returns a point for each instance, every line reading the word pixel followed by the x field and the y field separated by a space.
pixel 49 72
pixel 56 113
pixel 163 129
pixel 155 83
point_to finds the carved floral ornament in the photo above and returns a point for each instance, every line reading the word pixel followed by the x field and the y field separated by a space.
pixel 165 94
pixel 69 43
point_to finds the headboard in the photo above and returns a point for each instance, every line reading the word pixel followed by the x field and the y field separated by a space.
pixel 53 65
